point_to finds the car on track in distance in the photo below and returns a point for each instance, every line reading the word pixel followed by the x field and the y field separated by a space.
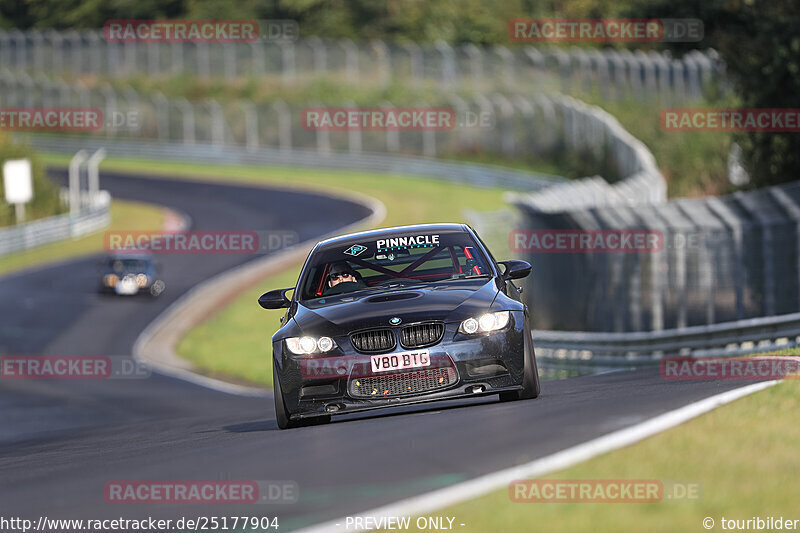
pixel 130 274
pixel 400 316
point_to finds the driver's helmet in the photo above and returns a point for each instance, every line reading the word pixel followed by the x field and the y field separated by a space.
pixel 338 269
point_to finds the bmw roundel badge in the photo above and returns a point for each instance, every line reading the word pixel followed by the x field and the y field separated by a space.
pixel 395 320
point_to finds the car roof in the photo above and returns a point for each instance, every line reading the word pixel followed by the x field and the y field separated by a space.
pixel 381 232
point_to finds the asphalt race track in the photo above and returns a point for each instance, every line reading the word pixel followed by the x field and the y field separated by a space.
pixel 62 440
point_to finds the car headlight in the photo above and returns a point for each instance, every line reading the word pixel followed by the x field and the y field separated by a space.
pixel 141 280
pixel 485 323
pixel 308 345
pixel 111 280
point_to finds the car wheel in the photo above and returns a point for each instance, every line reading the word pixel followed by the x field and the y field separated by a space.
pixel 530 376
pixel 282 415
pixel 157 287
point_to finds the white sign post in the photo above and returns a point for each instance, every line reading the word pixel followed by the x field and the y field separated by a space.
pixel 18 185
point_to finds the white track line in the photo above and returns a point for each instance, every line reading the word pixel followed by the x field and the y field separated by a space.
pixel 482 485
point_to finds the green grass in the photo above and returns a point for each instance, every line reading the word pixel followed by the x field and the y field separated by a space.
pixel 235 344
pixel 124 216
pixel 693 163
pixel 744 456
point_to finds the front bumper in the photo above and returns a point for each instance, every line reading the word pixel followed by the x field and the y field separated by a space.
pixel 482 364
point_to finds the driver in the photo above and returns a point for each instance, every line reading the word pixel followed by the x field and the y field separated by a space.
pixel 341 272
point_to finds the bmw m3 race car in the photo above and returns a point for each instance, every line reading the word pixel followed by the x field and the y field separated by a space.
pixel 399 316
pixel 129 274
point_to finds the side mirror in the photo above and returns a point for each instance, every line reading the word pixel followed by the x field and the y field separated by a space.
pixel 516 269
pixel 274 299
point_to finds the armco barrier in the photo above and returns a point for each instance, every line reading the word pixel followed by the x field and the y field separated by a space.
pixel 718 340
pixel 57 228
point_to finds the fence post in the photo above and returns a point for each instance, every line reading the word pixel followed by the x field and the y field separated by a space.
pixel 416 60
pixel 288 68
pixel 162 115
pixel 75 181
pixel 96 47
pixel 217 122
pixel 353 134
pixel 475 64
pixel 5 49
pixel 385 61
pixel 20 49
pixel 507 144
pixel 187 118
pixel 319 52
pixel 250 124
pixel 110 104
pixel 284 125
pixel 229 51
pixel 351 60
pixel 38 53
pixel 448 63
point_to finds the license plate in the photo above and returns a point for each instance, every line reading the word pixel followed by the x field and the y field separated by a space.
pixel 400 361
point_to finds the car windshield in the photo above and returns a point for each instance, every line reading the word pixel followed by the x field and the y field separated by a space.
pixel 392 261
pixel 127 265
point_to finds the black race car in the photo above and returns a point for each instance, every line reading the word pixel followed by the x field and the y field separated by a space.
pixel 398 316
pixel 130 274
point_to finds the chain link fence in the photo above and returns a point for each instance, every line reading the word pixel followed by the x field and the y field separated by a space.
pixel 617 74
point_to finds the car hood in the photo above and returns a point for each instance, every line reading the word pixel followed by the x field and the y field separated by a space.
pixel 441 302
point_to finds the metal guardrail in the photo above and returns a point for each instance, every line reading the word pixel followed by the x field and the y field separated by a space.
pixel 719 340
pixel 88 212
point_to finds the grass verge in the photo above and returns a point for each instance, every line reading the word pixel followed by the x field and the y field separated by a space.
pixel 743 455
pixel 124 216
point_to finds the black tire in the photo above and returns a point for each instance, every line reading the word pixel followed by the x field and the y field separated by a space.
pixel 530 375
pixel 282 415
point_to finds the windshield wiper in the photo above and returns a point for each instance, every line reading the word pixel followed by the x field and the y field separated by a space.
pixel 473 276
